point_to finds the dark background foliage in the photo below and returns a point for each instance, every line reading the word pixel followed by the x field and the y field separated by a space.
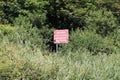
pixel 99 16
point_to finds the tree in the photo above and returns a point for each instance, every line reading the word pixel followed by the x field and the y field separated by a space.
pixel 112 5
pixel 101 21
pixel 33 9
pixel 68 14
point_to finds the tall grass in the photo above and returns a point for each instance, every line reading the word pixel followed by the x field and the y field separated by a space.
pixel 19 62
pixel 91 41
pixel 22 59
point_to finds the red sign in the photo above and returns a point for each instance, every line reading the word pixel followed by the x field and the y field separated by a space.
pixel 61 36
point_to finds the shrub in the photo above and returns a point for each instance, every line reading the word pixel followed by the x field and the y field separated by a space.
pixel 21 62
pixel 116 37
pixel 6 29
pixel 23 33
pixel 47 35
pixel 26 34
pixel 90 41
pixel 18 62
pixel 29 34
pixel 101 21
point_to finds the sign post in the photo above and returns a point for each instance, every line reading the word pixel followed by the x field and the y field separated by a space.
pixel 60 36
pixel 56 47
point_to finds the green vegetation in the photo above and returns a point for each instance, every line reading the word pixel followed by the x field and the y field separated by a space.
pixel 90 41
pixel 26 40
pixel 21 62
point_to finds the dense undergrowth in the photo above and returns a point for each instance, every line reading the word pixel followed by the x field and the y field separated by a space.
pixel 23 56
pixel 18 62
pixel 27 50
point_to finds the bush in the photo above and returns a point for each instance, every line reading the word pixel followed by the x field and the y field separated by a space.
pixel 23 33
pixel 116 37
pixel 101 21
pixel 21 62
pixel 28 33
pixel 18 62
pixel 90 41
pixel 47 35
pixel 6 29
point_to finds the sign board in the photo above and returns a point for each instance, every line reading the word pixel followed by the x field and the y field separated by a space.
pixel 61 36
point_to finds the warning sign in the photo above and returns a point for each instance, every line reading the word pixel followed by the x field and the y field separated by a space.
pixel 61 36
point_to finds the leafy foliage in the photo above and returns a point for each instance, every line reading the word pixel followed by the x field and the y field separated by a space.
pixel 26 39
pixel 67 14
pixel 90 41
pixel 20 62
pixel 10 9
pixel 26 36
pixel 102 22
pixel 112 5
pixel 6 29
